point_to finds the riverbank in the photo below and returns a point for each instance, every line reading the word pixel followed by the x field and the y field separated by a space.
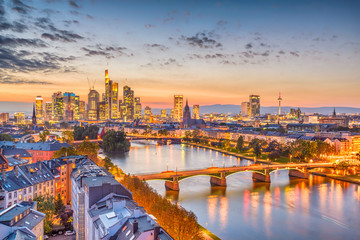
pixel 231 153
pixel 351 179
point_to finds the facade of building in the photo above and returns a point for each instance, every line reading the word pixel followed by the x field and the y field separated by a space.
pixel 48 111
pixel 147 113
pixel 39 109
pixel 245 109
pixel 4 117
pixel 101 111
pixel 57 107
pixel 93 100
pixel 163 113
pixel 21 221
pixel 137 108
pixel 178 107
pixel 128 101
pixel 196 112
pixel 90 184
pixel 19 118
pixel 254 104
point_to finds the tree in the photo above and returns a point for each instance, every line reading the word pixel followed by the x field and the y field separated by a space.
pixel 87 132
pixel 63 152
pixel 43 135
pixel 134 131
pixel 88 148
pixel 5 137
pixel 255 144
pixel 67 136
pixel 59 204
pixel 188 135
pixel 46 205
pixel 240 143
pixel 115 141
pixel 163 132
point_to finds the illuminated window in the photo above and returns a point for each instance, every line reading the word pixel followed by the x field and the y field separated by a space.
pixel 20 197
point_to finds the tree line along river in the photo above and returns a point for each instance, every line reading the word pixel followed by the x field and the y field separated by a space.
pixel 314 208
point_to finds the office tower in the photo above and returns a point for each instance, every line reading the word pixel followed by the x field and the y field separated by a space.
pixel 82 110
pixel 147 113
pixel 128 100
pixel 69 106
pixel 19 118
pixel 114 102
pixel 163 113
pixel 77 108
pixel 4 117
pixel 108 90
pixel 254 105
pixel 101 111
pixel 196 112
pixel 245 109
pixel 48 111
pixel 178 107
pixel 102 97
pixel 279 99
pixel 122 111
pixel 172 113
pixel 57 106
pixel 39 108
pixel 93 99
pixel 137 108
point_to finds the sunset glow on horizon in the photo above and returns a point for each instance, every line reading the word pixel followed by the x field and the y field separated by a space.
pixel 212 52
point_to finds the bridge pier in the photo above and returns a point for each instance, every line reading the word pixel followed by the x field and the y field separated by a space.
pixel 261 177
pixel 172 185
pixel 298 173
pixel 214 181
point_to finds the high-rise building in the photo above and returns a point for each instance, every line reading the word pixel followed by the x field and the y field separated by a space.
pixel 187 114
pixel 82 110
pixel 196 112
pixel 101 111
pixel 245 109
pixel 122 111
pixel 19 118
pixel 48 111
pixel 4 117
pixel 39 108
pixel 108 90
pixel 279 99
pixel 147 113
pixel 114 101
pixel 93 99
pixel 58 106
pixel 128 100
pixel 178 107
pixel 77 108
pixel 137 108
pixel 69 106
pixel 163 113
pixel 254 101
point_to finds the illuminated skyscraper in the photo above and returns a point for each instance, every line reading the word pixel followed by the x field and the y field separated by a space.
pixel 48 111
pixel 137 108
pixel 128 100
pixel 147 114
pixel 93 99
pixel 196 112
pixel 19 118
pixel 245 109
pixel 82 111
pixel 114 101
pixel 39 109
pixel 254 101
pixel 163 113
pixel 108 90
pixel 178 107
pixel 69 106
pixel 57 106
pixel 101 111
pixel 4 117
pixel 279 99
pixel 77 108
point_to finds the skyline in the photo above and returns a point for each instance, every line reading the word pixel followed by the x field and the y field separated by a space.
pixel 215 53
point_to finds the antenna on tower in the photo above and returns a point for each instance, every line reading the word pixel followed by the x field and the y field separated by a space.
pixel 89 82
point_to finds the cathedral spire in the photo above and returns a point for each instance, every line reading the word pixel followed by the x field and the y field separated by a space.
pixel 34 115
pixel 334 113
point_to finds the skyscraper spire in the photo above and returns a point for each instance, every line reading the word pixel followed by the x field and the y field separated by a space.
pixel 334 113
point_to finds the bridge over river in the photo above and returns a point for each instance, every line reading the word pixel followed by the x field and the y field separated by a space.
pixel 218 175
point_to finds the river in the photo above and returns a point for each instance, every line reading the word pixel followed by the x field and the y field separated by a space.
pixel 314 208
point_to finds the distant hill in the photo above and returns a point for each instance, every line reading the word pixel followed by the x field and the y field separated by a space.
pixel 26 107
pixel 233 109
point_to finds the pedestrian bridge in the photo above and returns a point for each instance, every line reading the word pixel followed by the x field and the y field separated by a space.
pixel 218 175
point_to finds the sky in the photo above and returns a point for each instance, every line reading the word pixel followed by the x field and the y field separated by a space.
pixel 212 52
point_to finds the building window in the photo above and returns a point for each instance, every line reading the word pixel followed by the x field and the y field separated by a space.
pixel 15 194
pixel 47 183
pixel 10 195
pixel 35 188
pixel 29 189
pixel 20 197
pixel 24 190
pixel 44 189
pixel 52 183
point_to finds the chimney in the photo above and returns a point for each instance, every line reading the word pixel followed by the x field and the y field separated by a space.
pixel 156 232
pixel 135 226
pixel 16 168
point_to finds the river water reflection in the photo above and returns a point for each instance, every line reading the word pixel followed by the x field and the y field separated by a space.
pixel 317 208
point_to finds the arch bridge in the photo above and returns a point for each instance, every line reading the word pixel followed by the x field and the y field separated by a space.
pixel 218 175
